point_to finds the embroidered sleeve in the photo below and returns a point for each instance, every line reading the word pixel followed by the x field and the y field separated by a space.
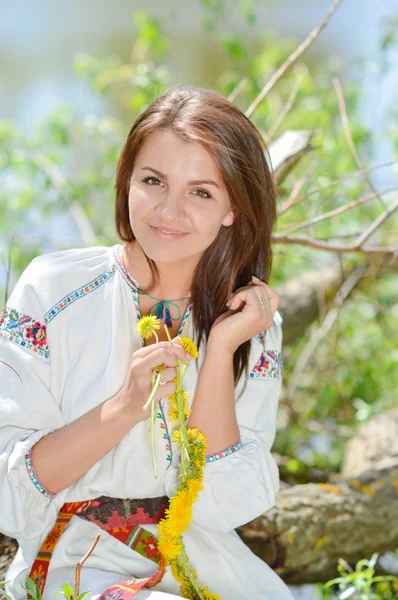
pixel 24 330
pixel 28 408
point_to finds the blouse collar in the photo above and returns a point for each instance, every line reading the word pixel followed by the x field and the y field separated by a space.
pixel 125 274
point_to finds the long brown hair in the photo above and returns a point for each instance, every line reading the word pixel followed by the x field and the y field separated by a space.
pixel 240 250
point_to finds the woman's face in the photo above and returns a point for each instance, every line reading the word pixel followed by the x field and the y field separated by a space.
pixel 165 192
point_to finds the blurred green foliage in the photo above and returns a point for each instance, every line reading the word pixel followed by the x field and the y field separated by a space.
pixel 67 165
pixel 360 583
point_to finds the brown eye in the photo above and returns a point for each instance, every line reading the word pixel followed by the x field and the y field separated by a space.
pixel 208 195
pixel 146 180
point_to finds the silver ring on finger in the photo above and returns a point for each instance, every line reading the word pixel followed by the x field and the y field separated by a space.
pixel 264 303
pixel 163 379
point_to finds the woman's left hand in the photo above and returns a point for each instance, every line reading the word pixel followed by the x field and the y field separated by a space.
pixel 245 317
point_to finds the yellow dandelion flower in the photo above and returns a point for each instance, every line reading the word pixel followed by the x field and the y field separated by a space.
pixel 168 548
pixel 196 437
pixel 187 589
pixel 177 436
pixel 147 325
pixel 198 461
pixel 163 529
pixel 172 397
pixel 194 486
pixel 176 571
pixel 176 527
pixel 197 456
pixel 198 470
pixel 180 502
pixel 173 412
pixel 207 595
pixel 179 515
pixel 181 498
pixel 189 346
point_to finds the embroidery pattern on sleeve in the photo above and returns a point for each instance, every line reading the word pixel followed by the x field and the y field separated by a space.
pixel 268 366
pixel 218 455
pixel 34 478
pixel 24 330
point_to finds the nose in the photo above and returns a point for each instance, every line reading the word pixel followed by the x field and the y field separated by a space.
pixel 171 207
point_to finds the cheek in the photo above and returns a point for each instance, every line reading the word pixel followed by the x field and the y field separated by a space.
pixel 207 221
pixel 139 202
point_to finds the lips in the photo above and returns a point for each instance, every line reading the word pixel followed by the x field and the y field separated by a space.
pixel 168 229
pixel 167 236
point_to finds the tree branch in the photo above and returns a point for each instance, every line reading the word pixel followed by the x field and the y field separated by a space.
pixel 290 60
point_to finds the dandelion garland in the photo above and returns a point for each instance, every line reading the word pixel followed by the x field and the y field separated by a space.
pixel 192 444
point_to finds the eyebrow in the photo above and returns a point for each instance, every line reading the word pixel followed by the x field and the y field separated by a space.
pixel 194 182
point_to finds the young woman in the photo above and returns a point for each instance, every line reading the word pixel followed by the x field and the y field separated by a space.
pixel 195 208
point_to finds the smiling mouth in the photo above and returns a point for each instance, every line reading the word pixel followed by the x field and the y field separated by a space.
pixel 165 234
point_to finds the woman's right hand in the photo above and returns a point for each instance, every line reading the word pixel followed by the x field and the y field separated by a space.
pixel 137 387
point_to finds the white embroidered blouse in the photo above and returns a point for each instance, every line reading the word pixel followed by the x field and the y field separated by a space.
pixel 68 331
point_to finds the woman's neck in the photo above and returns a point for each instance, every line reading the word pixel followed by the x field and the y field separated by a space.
pixel 170 287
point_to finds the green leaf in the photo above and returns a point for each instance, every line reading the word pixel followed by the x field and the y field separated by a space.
pixel 83 595
pixel 3 594
pixel 347 593
pixel 32 589
pixel 68 590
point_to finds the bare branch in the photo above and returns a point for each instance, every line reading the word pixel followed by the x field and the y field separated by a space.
pixel 285 110
pixel 323 330
pixel 343 178
pixel 290 60
pixel 291 200
pixel 231 97
pixel 81 563
pixel 376 224
pixel 346 126
pixel 338 211
pixel 320 244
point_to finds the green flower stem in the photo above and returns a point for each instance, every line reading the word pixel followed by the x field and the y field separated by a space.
pixel 152 421
pixel 184 564
pixel 184 444
pixel 152 428
pixel 155 389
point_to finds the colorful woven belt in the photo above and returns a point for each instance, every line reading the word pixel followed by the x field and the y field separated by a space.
pixel 121 518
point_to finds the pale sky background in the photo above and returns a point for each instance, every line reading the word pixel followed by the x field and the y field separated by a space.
pixel 39 39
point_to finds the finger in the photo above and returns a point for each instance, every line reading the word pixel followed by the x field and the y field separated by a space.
pixel 250 297
pixel 174 347
pixel 165 390
pixel 170 374
pixel 167 357
pixel 244 295
pixel 271 293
